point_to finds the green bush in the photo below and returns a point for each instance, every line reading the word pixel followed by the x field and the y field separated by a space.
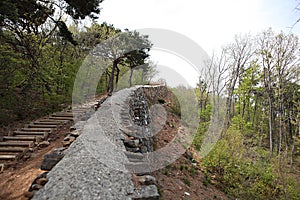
pixel 240 176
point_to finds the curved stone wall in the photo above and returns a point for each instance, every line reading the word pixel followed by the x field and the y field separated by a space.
pixel 116 136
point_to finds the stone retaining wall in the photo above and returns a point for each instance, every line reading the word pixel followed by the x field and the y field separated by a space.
pixel 95 166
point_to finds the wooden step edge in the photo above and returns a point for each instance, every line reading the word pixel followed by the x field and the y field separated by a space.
pixel 62 118
pixel 62 115
pixel 37 137
pixel 13 149
pixel 59 123
pixel 53 120
pixel 42 126
pixel 8 157
pixel 26 138
pixel 10 153
pixel 36 134
pixel 37 129
pixel 17 144
pixel 29 133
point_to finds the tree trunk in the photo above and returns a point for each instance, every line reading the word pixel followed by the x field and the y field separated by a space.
pixel 130 77
pixel 280 133
pixel 270 126
pixel 117 77
pixel 112 75
pixel 106 79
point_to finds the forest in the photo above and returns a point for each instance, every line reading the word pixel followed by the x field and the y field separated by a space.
pixel 41 54
pixel 257 156
pixel 43 44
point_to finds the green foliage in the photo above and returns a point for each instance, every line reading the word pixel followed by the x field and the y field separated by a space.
pixel 33 11
pixel 243 177
pixel 256 156
pixel 39 66
pixel 292 189
pixel 183 167
pixel 166 172
pixel 203 126
pixel 80 9
pixel 65 33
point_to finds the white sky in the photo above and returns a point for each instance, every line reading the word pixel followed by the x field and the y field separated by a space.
pixel 210 23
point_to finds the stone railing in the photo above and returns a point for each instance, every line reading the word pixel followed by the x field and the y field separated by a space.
pixel 100 163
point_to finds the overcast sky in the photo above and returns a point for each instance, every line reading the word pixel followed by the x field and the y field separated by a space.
pixel 210 23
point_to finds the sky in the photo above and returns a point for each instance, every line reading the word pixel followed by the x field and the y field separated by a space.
pixel 209 23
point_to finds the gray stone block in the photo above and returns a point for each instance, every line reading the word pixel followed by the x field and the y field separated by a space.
pixel 148 192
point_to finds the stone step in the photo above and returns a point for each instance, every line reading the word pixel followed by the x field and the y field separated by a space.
pixel 139 168
pixel 37 129
pixel 146 192
pixel 8 157
pixel 134 160
pixel 42 126
pixel 17 144
pixel 19 138
pixel 12 149
pixel 131 155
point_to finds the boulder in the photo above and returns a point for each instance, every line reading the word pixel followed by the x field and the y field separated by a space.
pixel 38 182
pixel 75 134
pixel 51 159
pixel 132 143
pixel 148 192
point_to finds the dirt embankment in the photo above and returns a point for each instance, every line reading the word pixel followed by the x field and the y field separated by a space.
pixel 184 178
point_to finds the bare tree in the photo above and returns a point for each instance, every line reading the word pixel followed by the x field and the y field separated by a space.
pixel 213 79
pixel 239 54
pixel 278 54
